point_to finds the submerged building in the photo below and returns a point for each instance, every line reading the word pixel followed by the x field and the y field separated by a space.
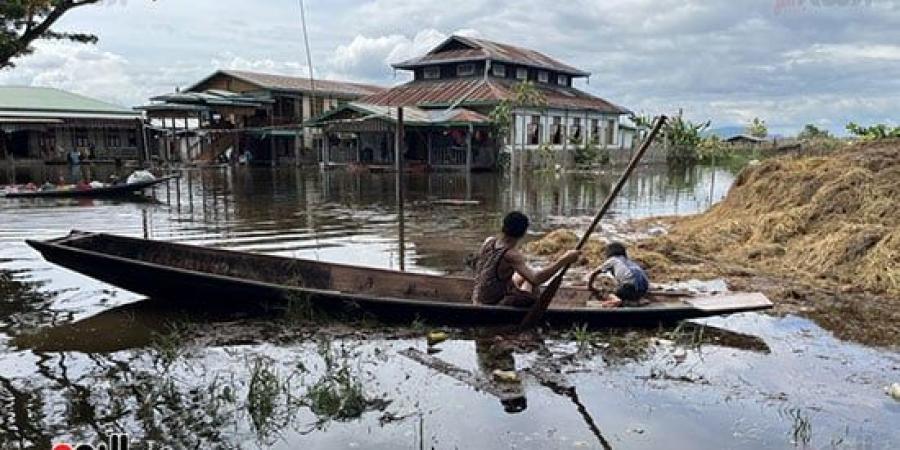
pixel 38 123
pixel 246 114
pixel 447 105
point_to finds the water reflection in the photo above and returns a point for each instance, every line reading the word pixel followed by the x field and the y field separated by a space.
pixel 79 359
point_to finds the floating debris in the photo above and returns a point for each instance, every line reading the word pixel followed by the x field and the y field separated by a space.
pixel 894 391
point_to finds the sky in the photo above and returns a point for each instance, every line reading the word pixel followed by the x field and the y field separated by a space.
pixel 789 62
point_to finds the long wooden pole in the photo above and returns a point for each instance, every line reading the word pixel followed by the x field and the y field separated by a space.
pixel 540 307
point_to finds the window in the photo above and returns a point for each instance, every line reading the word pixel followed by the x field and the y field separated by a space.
pixel 610 131
pixel 431 73
pixel 285 107
pixel 132 138
pixel 499 70
pixel 556 131
pixel 522 74
pixel 575 132
pixel 543 77
pixel 81 138
pixel 47 141
pixel 113 139
pixel 534 131
pixel 562 80
pixel 595 131
pixel 465 70
pixel 317 105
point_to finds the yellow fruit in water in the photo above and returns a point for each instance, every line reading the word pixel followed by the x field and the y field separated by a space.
pixel 506 376
pixel 436 337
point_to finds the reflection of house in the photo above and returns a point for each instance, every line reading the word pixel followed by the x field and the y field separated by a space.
pixel 248 112
pixel 471 76
pixel 45 124
pixel 745 140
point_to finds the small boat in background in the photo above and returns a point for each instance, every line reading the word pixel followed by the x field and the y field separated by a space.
pixel 111 190
pixel 184 273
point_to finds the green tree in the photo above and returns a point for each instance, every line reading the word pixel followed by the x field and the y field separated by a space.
pixel 758 128
pixel 524 95
pixel 811 132
pixel 22 22
pixel 682 137
pixel 874 132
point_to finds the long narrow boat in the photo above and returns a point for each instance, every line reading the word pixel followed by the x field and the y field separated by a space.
pixel 116 190
pixel 163 270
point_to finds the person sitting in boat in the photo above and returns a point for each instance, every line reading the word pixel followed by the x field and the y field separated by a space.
pixel 83 185
pixel 631 280
pixel 502 275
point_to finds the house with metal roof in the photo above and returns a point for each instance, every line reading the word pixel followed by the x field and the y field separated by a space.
pixel 475 75
pixel 234 113
pixel 45 124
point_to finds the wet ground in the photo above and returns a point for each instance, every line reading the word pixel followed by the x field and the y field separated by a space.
pixel 80 359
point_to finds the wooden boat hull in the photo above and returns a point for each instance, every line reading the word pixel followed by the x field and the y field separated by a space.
pixel 110 191
pixel 162 270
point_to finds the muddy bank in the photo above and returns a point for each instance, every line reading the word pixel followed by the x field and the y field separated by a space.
pixel 820 236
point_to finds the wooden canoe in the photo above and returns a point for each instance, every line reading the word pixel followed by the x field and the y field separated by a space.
pixel 163 270
pixel 117 190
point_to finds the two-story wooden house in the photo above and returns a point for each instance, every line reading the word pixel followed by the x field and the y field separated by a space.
pixel 467 75
pixel 246 113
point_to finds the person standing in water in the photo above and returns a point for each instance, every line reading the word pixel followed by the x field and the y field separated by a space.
pixel 502 275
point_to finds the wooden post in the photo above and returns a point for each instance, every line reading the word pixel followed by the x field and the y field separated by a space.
pixel 469 149
pixel 428 148
pixel 272 137
pixel 398 162
pixel 398 141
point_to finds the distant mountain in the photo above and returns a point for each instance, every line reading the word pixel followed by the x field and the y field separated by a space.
pixel 724 132
pixel 729 131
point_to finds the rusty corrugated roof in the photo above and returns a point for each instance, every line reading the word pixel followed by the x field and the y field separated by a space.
pixel 467 91
pixel 412 115
pixel 298 84
pixel 482 49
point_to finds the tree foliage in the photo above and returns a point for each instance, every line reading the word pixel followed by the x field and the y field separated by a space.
pixel 874 132
pixel 682 136
pixel 22 22
pixel 524 95
pixel 758 128
pixel 811 132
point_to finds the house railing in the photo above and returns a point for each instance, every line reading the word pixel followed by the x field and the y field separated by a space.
pixel 448 156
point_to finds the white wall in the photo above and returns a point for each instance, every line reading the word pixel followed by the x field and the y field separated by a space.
pixel 522 118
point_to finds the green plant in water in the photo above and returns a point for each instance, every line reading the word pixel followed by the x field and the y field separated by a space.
pixel 337 395
pixel 682 137
pixel 590 154
pixel 582 336
pixel 263 393
pixel 168 347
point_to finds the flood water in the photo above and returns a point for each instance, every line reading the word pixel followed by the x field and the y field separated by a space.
pixel 80 359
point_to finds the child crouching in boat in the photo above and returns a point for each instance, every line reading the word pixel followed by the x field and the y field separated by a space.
pixel 502 275
pixel 631 280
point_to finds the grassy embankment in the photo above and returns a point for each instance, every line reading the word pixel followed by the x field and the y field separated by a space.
pixel 819 235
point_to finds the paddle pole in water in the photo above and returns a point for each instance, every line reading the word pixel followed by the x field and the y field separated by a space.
pixel 534 316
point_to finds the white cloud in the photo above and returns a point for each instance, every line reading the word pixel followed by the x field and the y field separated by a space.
pixel 83 69
pixel 369 58
pixel 720 59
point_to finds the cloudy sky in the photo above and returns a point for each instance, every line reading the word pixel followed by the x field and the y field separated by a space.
pixel 790 62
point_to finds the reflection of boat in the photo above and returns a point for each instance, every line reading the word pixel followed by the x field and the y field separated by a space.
pixel 116 190
pixel 188 273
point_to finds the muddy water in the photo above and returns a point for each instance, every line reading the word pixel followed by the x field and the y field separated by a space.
pixel 80 359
